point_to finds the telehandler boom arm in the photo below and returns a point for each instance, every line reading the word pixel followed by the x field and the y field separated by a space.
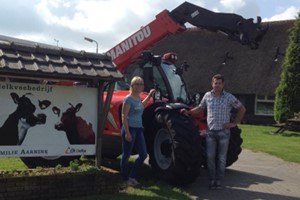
pixel 234 26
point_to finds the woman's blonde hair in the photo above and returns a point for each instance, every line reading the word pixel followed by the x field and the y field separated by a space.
pixel 134 80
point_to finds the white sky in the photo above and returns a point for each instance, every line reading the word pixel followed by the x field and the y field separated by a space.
pixel 66 22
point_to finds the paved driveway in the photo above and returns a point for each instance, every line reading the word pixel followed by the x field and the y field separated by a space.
pixel 254 176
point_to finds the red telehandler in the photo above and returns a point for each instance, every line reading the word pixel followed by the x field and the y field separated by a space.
pixel 175 147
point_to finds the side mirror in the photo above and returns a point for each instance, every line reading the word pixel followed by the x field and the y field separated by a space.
pixel 183 67
pixel 157 95
pixel 196 98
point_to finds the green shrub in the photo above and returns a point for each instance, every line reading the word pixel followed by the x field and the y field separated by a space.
pixel 287 95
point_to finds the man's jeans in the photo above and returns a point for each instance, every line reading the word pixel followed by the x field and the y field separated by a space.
pixel 138 141
pixel 216 151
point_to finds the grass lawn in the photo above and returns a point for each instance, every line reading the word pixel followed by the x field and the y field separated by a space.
pixel 263 138
pixel 11 163
pixel 149 190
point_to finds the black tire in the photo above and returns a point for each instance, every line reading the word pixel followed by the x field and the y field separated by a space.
pixel 234 148
pixel 33 162
pixel 174 147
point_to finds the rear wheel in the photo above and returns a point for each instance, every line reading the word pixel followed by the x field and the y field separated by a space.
pixel 234 148
pixel 174 147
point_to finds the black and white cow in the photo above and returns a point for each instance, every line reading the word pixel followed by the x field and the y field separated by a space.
pixel 15 128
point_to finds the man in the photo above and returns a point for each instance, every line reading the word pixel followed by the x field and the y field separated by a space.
pixel 218 104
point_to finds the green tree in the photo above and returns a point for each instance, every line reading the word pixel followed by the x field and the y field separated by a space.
pixel 287 95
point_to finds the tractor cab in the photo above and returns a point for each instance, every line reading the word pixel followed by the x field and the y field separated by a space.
pixel 161 73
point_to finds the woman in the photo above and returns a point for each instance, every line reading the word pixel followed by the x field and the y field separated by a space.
pixel 132 129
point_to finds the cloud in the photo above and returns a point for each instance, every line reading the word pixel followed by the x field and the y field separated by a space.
pixel 91 16
pixel 290 13
pixel 232 5
pixel 18 17
pixel 106 21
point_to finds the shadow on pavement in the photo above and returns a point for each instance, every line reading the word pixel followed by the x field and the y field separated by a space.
pixel 238 186
pixel 242 179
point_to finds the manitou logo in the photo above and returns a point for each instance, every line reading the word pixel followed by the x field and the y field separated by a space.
pixel 132 41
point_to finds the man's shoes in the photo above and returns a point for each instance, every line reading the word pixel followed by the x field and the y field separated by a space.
pixel 215 185
pixel 212 185
pixel 219 185
pixel 132 182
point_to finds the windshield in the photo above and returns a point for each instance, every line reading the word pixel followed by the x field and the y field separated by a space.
pixel 121 85
pixel 176 84
pixel 131 71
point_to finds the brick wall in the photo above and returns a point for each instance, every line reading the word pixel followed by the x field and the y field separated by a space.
pixel 58 186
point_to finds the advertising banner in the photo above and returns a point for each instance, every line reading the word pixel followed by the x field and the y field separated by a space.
pixel 47 120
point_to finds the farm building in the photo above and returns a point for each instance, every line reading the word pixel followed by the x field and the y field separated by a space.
pixel 251 75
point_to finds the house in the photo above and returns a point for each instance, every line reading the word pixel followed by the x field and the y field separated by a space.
pixel 251 75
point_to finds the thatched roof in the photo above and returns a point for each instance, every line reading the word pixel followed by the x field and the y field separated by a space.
pixel 249 72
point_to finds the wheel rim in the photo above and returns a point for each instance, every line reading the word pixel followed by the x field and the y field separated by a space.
pixel 51 157
pixel 162 149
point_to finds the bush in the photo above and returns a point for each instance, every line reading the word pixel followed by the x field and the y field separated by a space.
pixel 287 95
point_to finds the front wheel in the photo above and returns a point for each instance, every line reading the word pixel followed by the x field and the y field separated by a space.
pixel 174 147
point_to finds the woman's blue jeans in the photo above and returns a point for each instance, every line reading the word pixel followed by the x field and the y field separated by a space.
pixel 138 142
pixel 216 151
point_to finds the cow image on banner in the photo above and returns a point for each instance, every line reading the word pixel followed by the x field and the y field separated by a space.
pixel 15 127
pixel 78 131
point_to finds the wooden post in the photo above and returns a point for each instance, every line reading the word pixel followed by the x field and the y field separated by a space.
pixel 103 108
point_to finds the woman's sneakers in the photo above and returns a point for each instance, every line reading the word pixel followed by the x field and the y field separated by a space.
pixel 132 182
